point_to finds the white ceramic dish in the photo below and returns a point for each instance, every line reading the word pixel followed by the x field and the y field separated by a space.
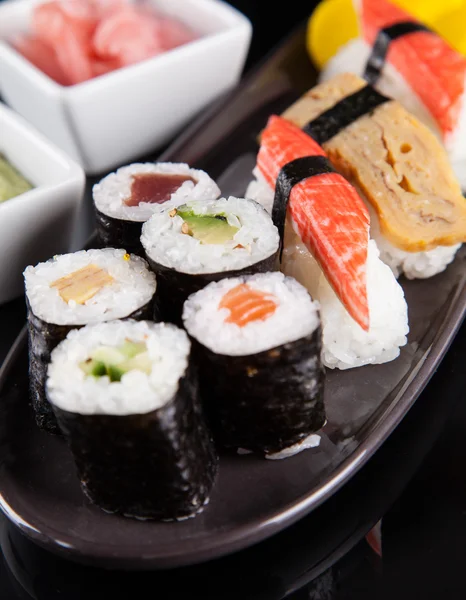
pixel 115 118
pixel 37 224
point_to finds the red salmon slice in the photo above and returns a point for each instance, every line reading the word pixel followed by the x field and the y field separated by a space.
pixel 247 305
pixel 330 217
pixel 434 70
pixel 42 56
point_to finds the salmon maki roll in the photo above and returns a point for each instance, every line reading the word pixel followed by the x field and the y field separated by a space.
pixel 259 341
pixel 325 229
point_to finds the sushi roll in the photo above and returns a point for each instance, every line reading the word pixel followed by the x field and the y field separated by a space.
pixel 262 379
pixel 201 241
pixel 398 166
pixel 405 60
pixel 124 200
pixel 71 290
pixel 126 398
pixel 326 247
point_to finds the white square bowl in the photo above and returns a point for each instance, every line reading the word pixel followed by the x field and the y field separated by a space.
pixel 115 118
pixel 37 224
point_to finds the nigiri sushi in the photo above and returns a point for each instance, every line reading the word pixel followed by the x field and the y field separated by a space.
pixel 327 248
pixel 403 59
pixel 398 166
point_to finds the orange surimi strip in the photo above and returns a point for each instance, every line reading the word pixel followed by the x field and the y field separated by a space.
pixel 435 71
pixel 246 305
pixel 83 284
pixel 331 218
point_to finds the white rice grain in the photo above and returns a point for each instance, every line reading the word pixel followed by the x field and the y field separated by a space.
pixel 69 388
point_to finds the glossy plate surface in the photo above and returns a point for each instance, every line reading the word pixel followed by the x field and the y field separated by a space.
pixel 253 498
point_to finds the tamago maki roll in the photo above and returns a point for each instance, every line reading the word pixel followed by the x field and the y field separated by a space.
pixel 189 246
pixel 125 396
pixel 125 199
pixel 72 290
pixel 259 340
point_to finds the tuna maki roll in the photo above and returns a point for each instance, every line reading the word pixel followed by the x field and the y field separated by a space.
pixel 190 245
pixel 126 398
pixel 259 339
pixel 72 290
pixel 124 200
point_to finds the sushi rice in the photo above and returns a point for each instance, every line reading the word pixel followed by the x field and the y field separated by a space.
pixel 414 265
pixel 345 343
pixel 112 191
pixel 296 316
pixel 134 286
pixel 69 388
pixel 256 239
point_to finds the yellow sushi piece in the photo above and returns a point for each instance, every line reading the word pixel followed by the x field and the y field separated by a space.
pixel 83 284
pixel 334 23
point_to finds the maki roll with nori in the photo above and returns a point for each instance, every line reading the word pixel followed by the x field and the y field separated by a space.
pixel 189 246
pixel 72 290
pixel 259 340
pixel 124 200
pixel 126 398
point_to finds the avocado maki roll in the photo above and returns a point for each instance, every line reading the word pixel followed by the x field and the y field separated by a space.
pixel 71 290
pixel 259 343
pixel 126 398
pixel 125 199
pixel 193 244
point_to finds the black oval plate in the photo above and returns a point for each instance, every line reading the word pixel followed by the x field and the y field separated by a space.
pixel 253 498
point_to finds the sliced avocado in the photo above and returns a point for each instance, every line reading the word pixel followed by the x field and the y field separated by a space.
pixel 108 355
pixel 114 362
pixel 140 362
pixel 96 368
pixel 208 229
pixel 130 349
pixel 115 372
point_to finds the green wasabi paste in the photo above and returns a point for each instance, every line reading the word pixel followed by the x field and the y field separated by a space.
pixel 12 183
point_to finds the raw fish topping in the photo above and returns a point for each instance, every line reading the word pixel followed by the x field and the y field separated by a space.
pixel 73 41
pixel 154 188
pixel 246 305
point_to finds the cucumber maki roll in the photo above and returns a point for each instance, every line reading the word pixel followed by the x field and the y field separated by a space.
pixel 201 241
pixel 126 398
pixel 125 199
pixel 259 339
pixel 72 290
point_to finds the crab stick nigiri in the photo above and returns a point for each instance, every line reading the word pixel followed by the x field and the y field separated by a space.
pixel 327 248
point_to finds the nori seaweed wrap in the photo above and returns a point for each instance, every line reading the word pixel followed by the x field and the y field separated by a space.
pixel 125 199
pixel 140 441
pixel 194 244
pixel 128 293
pixel 259 344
